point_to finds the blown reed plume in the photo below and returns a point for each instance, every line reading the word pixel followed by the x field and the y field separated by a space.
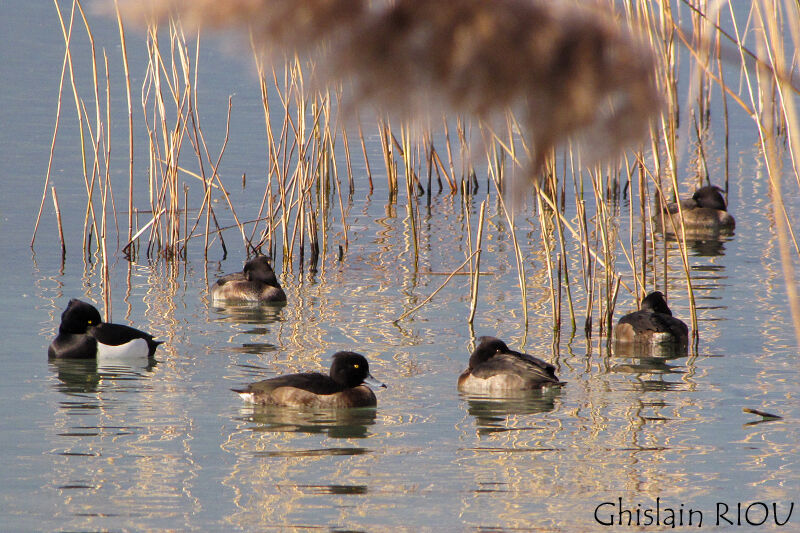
pixel 565 70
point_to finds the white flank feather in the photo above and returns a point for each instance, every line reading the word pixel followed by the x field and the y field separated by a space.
pixel 132 349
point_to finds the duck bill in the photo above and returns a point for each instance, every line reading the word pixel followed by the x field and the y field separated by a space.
pixel 369 380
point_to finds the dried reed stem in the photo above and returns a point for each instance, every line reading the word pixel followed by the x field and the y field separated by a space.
pixel 124 45
pixel 60 225
pixel 477 269
pixel 548 258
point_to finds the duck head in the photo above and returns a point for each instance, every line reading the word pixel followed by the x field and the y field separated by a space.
pixel 656 303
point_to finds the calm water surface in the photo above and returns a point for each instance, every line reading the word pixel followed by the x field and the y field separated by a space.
pixel 169 447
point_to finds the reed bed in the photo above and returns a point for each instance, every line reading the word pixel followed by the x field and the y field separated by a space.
pixel 533 99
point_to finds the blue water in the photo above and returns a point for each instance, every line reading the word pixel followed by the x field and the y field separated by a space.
pixel 170 447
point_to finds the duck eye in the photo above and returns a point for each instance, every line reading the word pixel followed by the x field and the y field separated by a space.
pixel 355 365
pixel 89 322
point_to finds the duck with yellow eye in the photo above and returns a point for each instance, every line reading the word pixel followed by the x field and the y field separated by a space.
pixel 344 386
pixel 83 335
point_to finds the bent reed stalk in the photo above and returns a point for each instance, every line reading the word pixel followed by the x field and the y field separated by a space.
pixel 590 84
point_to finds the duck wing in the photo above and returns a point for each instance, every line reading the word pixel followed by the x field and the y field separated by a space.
pixel 236 276
pixel 116 334
pixel 648 321
pixel 120 334
pixel 308 381
pixel 516 363
pixel 687 204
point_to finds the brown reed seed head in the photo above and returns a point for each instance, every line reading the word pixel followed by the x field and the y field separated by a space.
pixel 564 69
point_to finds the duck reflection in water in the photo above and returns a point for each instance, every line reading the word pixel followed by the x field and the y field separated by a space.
pixel 491 413
pixel 653 364
pixel 703 246
pixel 336 423
pixel 707 247
pixel 82 376
pixel 248 312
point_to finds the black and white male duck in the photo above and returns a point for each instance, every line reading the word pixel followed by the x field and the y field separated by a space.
pixel 705 212
pixel 495 369
pixel 255 283
pixel 652 324
pixel 344 387
pixel 83 335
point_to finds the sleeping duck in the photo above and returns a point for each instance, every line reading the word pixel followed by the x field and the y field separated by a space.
pixel 495 369
pixel 255 283
pixel 652 324
pixel 705 212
